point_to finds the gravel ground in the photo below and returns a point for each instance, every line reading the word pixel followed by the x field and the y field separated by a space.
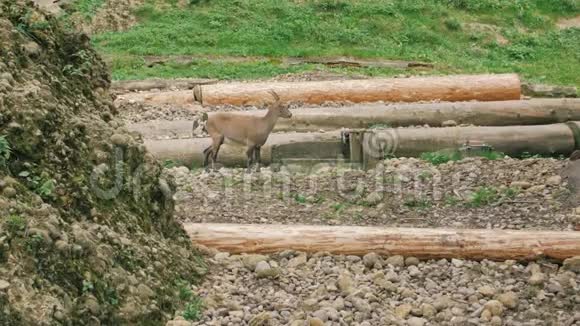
pixel 472 193
pixel 291 288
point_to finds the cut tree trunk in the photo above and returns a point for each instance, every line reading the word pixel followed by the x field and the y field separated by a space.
pixel 378 143
pixel 179 98
pixel 415 89
pixel 279 147
pixel 500 113
pixel 496 245
pixel 511 140
pixel 157 83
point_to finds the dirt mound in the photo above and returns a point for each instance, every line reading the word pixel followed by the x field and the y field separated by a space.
pixel 87 234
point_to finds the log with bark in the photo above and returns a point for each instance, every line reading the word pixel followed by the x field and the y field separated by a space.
pixel 445 88
pixel 376 143
pixel 158 83
pixel 279 147
pixel 496 245
pixel 552 139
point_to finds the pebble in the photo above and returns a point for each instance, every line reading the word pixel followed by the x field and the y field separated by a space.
pixel 396 261
pixel 494 307
pixel 508 299
pixel 403 310
pixel 537 279
pixel 415 321
pixel 572 264
pixel 486 291
pixel 4 285
pixel 370 259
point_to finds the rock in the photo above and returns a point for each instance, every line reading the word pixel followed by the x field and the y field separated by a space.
pixel 537 189
pixel 315 322
pixel 449 123
pixel 509 299
pixel 415 321
pixel 555 180
pixel 120 140
pixel 396 261
pixel 457 262
pixel 521 184
pixel 9 192
pixel 236 314
pixel 145 292
pixel 262 319
pixel 251 261
pixel 297 261
pixel 411 261
pixel 427 310
pixel 345 284
pixel 414 271
pixel 572 264
pixel 361 305
pixel 178 321
pixel 370 259
pixel 442 303
pixel 496 321
pixel 537 279
pixel 4 285
pixel 264 270
pixel 486 291
pixel 321 314
pixel 495 307
pixel 374 198
pixel 403 310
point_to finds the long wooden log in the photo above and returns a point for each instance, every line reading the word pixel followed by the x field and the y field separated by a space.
pixel 406 142
pixel 415 89
pixel 500 113
pixel 321 146
pixel 158 83
pixel 181 98
pixel 481 244
pixel 511 140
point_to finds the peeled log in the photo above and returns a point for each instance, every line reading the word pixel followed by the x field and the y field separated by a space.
pixel 511 140
pixel 481 244
pixel 158 98
pixel 446 88
pixel 278 147
pixel 500 113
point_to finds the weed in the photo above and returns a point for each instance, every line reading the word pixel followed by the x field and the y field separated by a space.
pixel 35 244
pixel 510 192
pixel 419 204
pixel 437 158
pixel 88 286
pixel 5 151
pixel 453 24
pixel 193 309
pixel 300 198
pixel 338 207
pixel 483 196
pixel 15 223
pixel 168 164
pixel 451 200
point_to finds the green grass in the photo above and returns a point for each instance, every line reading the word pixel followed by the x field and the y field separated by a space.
pixel 444 156
pixel 87 7
pixel 437 31
pixel 483 196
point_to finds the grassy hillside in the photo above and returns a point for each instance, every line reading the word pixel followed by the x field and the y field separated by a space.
pixel 457 35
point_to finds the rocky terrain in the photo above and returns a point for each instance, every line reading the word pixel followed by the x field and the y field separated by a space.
pixel 472 193
pixel 87 235
pixel 292 288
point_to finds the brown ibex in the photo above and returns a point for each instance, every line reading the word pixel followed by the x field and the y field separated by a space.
pixel 243 129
